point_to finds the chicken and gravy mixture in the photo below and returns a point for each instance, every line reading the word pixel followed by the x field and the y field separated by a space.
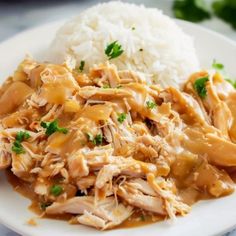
pixel 105 148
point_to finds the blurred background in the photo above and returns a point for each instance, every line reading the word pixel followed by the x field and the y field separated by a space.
pixel 18 15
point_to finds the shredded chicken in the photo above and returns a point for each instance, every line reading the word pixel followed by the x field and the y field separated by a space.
pixel 105 146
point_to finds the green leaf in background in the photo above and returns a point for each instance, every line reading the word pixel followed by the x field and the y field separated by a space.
pixel 191 10
pixel 226 10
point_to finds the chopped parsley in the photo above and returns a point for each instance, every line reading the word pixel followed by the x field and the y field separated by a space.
pixel 151 105
pixel 225 10
pixel 142 218
pixel 191 10
pixel 56 190
pixel 200 86
pixel 232 82
pixel 113 50
pixel 121 117
pixel 133 28
pixel 97 140
pixel 44 205
pixel 52 127
pixel 119 86
pixel 20 137
pixel 106 86
pixel 217 66
pixel 81 67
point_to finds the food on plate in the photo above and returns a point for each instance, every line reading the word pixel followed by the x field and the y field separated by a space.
pixel 106 148
pixel 153 44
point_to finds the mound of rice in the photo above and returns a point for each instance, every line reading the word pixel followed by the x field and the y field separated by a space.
pixel 152 42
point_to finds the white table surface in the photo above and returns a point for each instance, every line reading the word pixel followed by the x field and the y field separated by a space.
pixel 17 17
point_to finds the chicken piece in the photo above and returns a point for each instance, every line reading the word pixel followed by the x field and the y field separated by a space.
pixel 5 160
pixel 123 166
pixel 86 182
pixel 21 165
pixel 187 107
pixel 127 77
pixel 165 189
pixel 105 75
pixel 106 209
pixel 14 96
pixel 101 94
pixel 91 220
pixel 218 151
pixel 136 198
pixel 77 165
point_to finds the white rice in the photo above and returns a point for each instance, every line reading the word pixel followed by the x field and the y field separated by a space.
pixel 152 42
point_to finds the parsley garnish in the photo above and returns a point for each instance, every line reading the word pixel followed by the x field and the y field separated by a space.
pixel 133 28
pixel 232 82
pixel 56 190
pixel 52 127
pixel 150 104
pixel 121 117
pixel 113 50
pixel 200 86
pixel 81 67
pixel 142 218
pixel 226 9
pixel 106 86
pixel 191 10
pixel 44 205
pixel 20 137
pixel 217 66
pixel 97 140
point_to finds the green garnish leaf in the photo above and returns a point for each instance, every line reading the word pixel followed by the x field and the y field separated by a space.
pixel 17 148
pixel 56 190
pixel 98 139
pixel 133 28
pixel 217 66
pixel 113 50
pixel 121 117
pixel 52 127
pixel 20 137
pixel 232 82
pixel 81 67
pixel 191 10
pixel 142 218
pixel 119 86
pixel 44 205
pixel 200 86
pixel 106 86
pixel 226 10
pixel 151 105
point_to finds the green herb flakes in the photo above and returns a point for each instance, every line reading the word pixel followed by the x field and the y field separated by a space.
pixel 113 50
pixel 151 105
pixel 217 66
pixel 20 137
pixel 52 127
pixel 56 190
pixel 81 67
pixel 200 86
pixel 121 117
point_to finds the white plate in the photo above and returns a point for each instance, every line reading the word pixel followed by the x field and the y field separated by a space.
pixel 206 218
